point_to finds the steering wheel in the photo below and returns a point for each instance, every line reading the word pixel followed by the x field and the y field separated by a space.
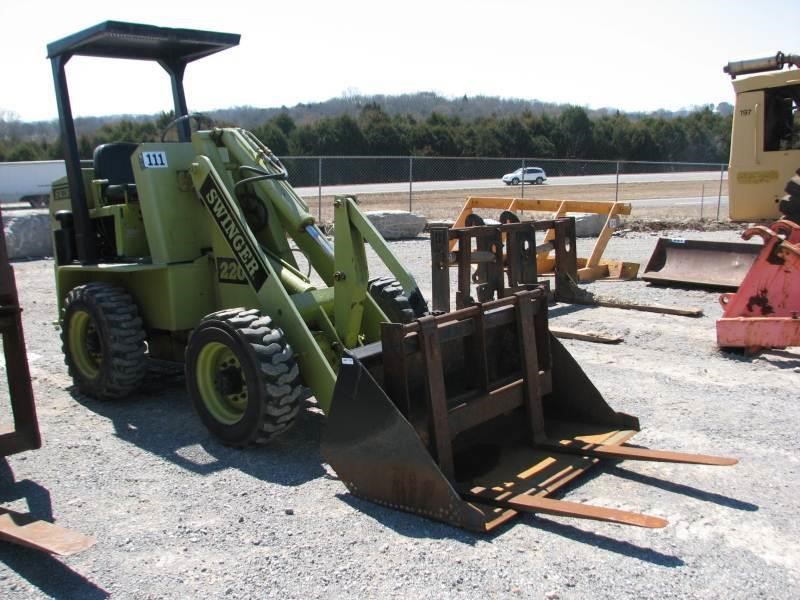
pixel 197 117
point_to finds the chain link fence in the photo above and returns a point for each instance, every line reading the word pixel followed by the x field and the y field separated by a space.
pixel 438 186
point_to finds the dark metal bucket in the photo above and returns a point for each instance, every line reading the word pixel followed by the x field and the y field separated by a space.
pixel 474 416
pixel 718 265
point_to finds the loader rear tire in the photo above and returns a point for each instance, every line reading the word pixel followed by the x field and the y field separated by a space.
pixel 388 294
pixel 242 377
pixel 103 341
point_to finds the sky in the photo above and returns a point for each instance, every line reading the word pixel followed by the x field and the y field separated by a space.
pixel 635 56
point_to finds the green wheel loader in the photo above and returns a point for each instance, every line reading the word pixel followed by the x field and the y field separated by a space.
pixel 186 250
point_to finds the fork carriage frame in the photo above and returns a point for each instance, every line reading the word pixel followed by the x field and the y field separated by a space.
pixel 476 415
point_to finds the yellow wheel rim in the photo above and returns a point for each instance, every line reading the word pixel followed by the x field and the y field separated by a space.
pixel 84 344
pixel 221 383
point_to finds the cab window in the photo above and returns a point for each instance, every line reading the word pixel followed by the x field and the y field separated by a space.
pixel 782 118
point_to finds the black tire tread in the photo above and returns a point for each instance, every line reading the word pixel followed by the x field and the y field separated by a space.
pixel 122 332
pixel 279 373
pixel 388 294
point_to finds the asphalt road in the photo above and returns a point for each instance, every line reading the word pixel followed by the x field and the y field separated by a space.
pixel 472 184
pixel 466 184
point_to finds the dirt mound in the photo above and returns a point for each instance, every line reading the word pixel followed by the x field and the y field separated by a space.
pixel 686 224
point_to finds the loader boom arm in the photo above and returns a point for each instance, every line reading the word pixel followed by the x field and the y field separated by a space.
pixel 264 279
pixel 235 176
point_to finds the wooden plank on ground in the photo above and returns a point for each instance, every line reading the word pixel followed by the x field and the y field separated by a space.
pixel 585 336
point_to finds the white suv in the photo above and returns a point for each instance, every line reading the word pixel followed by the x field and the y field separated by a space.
pixel 530 175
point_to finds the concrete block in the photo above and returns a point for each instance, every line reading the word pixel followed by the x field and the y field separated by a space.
pixel 397 224
pixel 588 224
pixel 28 234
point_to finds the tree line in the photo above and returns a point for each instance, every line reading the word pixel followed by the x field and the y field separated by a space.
pixel 702 135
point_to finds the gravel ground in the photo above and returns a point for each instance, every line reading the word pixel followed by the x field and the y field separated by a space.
pixel 177 515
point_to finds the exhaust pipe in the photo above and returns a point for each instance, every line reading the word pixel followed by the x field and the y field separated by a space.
pixel 761 65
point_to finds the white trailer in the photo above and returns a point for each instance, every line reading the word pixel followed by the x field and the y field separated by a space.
pixel 29 181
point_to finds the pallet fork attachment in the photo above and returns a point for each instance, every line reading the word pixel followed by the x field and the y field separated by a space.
pixel 16 527
pixel 477 415
pixel 25 433
pixel 504 258
pixel 590 268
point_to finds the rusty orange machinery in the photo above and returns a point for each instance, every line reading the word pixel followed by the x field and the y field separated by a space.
pixel 15 527
pixel 590 268
pixel 765 311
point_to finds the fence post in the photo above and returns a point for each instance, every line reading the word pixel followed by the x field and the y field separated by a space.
pixel 616 187
pixel 319 188
pixel 719 195
pixel 702 199
pixel 410 182
pixel 522 179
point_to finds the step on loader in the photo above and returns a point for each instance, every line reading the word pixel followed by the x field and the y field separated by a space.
pixel 186 251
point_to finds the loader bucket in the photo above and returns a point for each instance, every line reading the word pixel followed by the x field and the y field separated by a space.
pixel 719 265
pixel 474 416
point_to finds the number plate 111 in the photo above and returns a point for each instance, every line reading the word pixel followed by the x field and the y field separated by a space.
pixel 154 160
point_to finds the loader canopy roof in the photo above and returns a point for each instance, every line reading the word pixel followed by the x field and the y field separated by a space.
pixel 115 39
pixel 769 80
pixel 171 48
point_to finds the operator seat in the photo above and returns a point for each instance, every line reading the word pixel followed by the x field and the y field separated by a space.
pixel 112 163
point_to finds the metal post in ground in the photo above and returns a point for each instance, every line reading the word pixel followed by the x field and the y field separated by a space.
pixel 719 195
pixel 616 187
pixel 522 180
pixel 410 181
pixel 702 199
pixel 319 188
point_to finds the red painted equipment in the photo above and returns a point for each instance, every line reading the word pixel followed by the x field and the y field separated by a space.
pixel 765 312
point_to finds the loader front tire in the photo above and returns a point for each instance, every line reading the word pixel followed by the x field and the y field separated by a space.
pixel 103 341
pixel 388 295
pixel 242 377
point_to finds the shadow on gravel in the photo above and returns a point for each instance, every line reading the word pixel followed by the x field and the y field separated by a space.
pixel 685 490
pixel 160 419
pixel 780 359
pixel 36 496
pixel 606 543
pixel 52 577
pixel 411 525
pixel 567 309
pixel 41 570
